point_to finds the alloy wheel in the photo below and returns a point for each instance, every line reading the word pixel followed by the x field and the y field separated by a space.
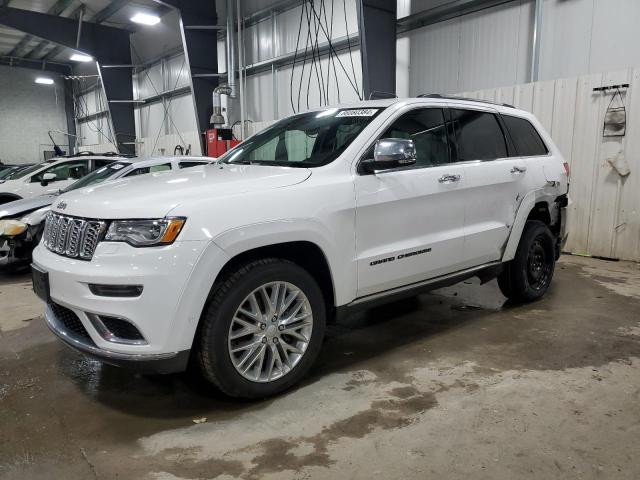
pixel 270 332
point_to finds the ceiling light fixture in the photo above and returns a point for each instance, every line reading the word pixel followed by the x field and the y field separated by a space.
pixel 145 19
pixel 80 57
pixel 44 81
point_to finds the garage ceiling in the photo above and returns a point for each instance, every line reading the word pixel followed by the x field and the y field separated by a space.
pixel 16 44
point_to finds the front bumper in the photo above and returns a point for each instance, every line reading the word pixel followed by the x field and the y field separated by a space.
pixel 165 313
pixel 16 250
pixel 143 363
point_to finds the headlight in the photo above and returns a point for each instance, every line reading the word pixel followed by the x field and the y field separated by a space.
pixel 145 233
pixel 11 228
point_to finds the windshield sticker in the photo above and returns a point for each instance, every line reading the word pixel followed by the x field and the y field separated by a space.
pixel 117 166
pixel 361 112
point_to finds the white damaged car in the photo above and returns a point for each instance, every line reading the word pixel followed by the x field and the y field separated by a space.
pixel 240 265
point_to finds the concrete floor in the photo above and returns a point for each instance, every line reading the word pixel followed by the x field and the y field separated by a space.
pixel 455 384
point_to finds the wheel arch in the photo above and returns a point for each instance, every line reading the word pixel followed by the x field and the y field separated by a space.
pixel 304 253
pixel 8 197
pixel 536 205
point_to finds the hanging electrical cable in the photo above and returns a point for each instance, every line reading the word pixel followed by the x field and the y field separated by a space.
pixel 353 85
pixel 295 54
pixel 346 26
pixel 312 25
pixel 331 57
pixel 306 49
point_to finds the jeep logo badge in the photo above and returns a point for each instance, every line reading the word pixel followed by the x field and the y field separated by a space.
pixel 62 205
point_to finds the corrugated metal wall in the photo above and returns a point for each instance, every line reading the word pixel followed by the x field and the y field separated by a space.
pixel 604 218
pixel 492 48
pixel 485 49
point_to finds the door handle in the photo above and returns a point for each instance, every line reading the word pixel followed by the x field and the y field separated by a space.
pixel 448 178
pixel 517 169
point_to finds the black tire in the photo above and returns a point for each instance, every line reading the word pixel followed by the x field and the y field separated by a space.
pixel 227 295
pixel 527 277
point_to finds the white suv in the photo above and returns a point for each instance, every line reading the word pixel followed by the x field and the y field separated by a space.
pixel 239 266
pixel 52 175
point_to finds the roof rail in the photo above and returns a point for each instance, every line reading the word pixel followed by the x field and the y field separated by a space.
pixel 454 97
pixel 378 95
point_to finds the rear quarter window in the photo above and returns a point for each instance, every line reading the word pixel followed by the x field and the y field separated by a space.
pixel 525 137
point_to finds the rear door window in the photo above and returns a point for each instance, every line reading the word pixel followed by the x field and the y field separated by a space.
pixel 478 135
pixel 525 137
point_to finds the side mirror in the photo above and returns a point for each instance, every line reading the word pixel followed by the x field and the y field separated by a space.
pixel 390 153
pixel 46 178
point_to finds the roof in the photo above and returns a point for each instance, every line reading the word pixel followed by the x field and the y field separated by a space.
pixel 435 99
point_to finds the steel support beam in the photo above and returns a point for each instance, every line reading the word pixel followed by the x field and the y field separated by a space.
pixel 445 12
pixel 38 49
pixel 201 53
pixel 61 68
pixel 57 8
pixel 377 29
pixel 107 45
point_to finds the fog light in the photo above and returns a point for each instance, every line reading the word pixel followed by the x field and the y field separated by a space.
pixel 116 290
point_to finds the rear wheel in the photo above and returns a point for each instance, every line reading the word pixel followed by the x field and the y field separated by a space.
pixel 528 276
pixel 262 329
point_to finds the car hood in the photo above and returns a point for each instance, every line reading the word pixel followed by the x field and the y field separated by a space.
pixel 22 207
pixel 10 186
pixel 155 195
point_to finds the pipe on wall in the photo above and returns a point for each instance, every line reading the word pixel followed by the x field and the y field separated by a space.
pixel 231 51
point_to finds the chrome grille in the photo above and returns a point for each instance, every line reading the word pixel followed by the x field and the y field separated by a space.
pixel 72 237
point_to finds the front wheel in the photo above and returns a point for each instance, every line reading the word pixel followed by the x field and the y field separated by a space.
pixel 262 329
pixel 528 276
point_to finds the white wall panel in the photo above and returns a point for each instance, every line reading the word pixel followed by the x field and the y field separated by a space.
pixel 604 218
pixel 150 81
pixel 151 120
pixel 481 50
pixel 259 42
pixel 498 38
pixel 182 116
pixel 177 72
pixel 566 34
pixel 584 36
pixel 435 58
pixel 260 97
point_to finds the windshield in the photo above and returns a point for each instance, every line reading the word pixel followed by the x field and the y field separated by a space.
pixel 306 140
pixel 5 172
pixel 99 176
pixel 15 175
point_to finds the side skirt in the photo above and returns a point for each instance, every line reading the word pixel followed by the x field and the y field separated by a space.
pixel 485 273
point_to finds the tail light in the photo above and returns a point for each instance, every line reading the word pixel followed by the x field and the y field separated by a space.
pixel 567 169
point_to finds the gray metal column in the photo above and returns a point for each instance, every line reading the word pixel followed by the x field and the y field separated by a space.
pixel 107 45
pixel 69 113
pixel 199 27
pixel 377 28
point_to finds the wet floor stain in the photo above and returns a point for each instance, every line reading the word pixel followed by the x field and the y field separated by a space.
pixel 57 404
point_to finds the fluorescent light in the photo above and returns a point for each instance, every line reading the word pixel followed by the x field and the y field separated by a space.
pixel 44 80
pixel 145 19
pixel 79 57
